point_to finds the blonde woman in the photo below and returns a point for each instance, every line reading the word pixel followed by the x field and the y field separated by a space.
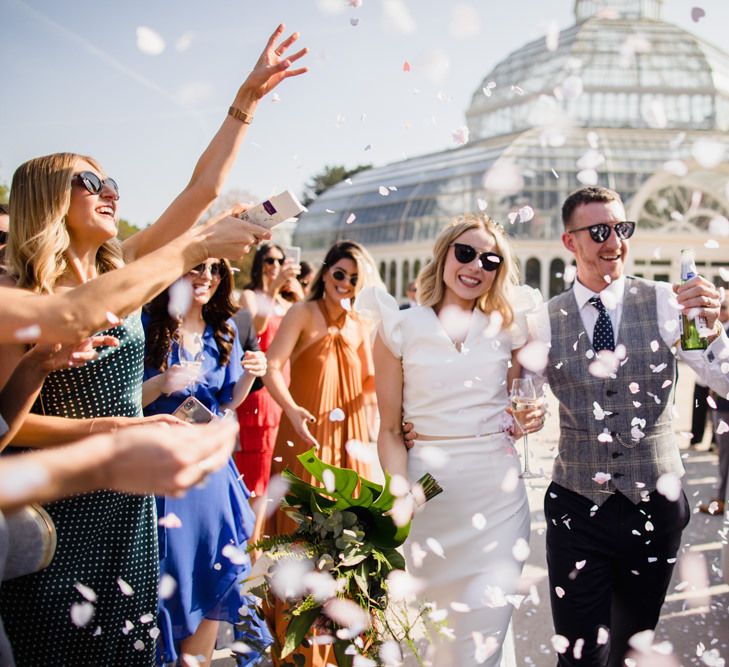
pixel 445 366
pixel 97 600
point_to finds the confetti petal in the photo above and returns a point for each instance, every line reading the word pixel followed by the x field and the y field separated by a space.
pixel 82 613
pixel 149 41
pixel 337 415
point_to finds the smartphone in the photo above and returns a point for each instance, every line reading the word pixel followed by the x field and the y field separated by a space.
pixel 193 411
pixel 274 211
pixel 292 253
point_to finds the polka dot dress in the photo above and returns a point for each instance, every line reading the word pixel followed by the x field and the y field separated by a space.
pixel 96 604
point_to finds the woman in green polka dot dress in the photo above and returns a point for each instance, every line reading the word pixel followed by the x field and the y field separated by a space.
pixel 96 603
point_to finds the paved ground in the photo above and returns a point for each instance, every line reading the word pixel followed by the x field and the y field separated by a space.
pixel 695 618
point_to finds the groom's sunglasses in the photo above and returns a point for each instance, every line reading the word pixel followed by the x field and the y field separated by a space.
pixel 93 184
pixel 601 232
pixel 465 254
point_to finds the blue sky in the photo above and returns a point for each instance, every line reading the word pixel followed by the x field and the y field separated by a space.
pixel 75 79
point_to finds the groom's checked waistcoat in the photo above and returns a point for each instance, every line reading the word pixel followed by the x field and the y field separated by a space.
pixel 621 425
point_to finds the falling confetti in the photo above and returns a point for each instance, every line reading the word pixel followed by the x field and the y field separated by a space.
pixel 171 520
pixel 28 334
pixel 697 13
pixel 337 415
pixel 149 41
pixel 124 587
pixel 460 135
pixel 82 613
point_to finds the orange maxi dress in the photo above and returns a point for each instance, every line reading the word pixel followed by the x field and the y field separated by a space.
pixel 326 375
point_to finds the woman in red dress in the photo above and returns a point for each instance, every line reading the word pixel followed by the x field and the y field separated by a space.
pixel 269 295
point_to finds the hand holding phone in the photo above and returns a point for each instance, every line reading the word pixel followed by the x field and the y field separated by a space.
pixel 191 410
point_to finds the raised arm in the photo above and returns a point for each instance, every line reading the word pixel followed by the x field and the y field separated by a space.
pixel 71 316
pixel 388 384
pixel 216 161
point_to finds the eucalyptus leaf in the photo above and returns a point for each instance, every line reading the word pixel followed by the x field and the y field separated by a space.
pixel 297 628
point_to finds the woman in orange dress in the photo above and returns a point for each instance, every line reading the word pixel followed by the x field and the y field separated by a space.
pixel 332 384
pixel 267 297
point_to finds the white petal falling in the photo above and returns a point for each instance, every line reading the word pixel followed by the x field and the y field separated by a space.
pixel 669 486
pixel 149 41
pixel 82 613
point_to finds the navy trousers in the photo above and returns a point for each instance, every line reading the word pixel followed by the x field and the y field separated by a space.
pixel 609 569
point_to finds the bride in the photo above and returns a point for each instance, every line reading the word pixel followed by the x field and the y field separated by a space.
pixel 445 366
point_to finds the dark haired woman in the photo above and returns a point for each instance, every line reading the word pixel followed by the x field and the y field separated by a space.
pixel 273 279
pixel 202 535
pixel 331 381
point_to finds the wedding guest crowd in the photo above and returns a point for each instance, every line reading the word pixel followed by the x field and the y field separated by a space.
pixel 129 373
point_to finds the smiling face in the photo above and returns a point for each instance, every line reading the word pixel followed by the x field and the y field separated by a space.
pixel 598 264
pixel 204 280
pixel 465 283
pixel 272 263
pixel 338 280
pixel 91 218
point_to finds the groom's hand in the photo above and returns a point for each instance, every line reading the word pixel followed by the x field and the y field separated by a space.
pixel 408 435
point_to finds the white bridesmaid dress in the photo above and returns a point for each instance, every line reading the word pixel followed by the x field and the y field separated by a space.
pixel 467 544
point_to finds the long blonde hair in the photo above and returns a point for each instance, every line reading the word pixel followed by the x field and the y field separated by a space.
pixel 431 288
pixel 40 196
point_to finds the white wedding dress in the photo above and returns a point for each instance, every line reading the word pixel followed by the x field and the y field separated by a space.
pixel 468 544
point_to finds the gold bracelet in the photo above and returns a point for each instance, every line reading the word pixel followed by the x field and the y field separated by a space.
pixel 242 116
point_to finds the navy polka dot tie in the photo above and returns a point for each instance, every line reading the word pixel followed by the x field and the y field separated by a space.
pixel 602 336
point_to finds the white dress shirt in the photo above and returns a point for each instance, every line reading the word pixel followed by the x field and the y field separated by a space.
pixel 711 365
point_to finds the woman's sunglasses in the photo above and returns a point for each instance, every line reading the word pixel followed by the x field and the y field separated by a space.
pixel 465 254
pixel 272 260
pixel 93 184
pixel 216 270
pixel 340 275
pixel 600 232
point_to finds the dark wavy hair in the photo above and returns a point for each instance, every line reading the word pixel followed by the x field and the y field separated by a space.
pixel 340 250
pixel 256 281
pixel 163 329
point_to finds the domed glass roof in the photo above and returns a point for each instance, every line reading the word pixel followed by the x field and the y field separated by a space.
pixel 614 68
pixel 619 97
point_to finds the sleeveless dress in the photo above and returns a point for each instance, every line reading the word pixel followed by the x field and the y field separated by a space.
pixel 327 374
pixel 213 516
pixel 481 520
pixel 106 560
pixel 259 416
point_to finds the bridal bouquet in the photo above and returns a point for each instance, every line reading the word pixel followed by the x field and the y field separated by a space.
pixel 338 569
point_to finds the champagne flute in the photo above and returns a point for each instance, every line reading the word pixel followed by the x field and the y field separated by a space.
pixel 190 355
pixel 524 398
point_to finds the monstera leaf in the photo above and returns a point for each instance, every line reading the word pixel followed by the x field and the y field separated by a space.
pixel 371 504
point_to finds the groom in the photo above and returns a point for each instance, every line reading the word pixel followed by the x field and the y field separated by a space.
pixel 612 537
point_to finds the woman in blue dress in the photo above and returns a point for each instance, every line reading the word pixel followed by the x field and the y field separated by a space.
pixel 202 536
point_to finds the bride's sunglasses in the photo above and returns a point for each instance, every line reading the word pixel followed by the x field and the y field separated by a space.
pixel 465 254
pixel 93 184
pixel 600 232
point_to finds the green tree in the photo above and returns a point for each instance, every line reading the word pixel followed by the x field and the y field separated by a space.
pixel 328 178
pixel 4 193
pixel 126 229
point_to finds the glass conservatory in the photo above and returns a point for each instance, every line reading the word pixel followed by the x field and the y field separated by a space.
pixel 621 99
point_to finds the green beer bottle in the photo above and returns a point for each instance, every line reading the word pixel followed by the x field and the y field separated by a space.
pixel 690 337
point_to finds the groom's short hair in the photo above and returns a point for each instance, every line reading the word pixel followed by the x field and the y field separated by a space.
pixel 587 195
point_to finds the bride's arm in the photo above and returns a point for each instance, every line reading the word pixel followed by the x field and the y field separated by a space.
pixel 388 385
